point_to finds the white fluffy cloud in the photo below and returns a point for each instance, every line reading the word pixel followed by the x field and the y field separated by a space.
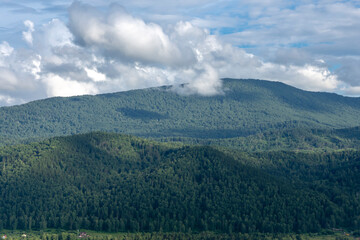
pixel 119 34
pixel 28 34
pixel 5 49
pixel 95 75
pixel 206 82
pixel 111 50
pixel 298 33
pixel 58 86
pixel 18 71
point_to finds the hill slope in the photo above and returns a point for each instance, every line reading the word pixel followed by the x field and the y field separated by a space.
pixel 121 183
pixel 247 107
pixel 297 139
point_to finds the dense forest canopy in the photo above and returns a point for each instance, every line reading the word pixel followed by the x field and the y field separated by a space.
pixel 263 157
pixel 246 109
pixel 110 182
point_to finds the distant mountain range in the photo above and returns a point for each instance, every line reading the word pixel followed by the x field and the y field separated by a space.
pixel 247 109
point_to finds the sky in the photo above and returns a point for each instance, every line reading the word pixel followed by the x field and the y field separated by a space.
pixel 65 48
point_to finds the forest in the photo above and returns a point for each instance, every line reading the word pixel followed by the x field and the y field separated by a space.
pixel 119 183
pixel 249 110
pixel 262 161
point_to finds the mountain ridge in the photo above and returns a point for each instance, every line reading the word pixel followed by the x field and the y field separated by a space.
pixel 168 87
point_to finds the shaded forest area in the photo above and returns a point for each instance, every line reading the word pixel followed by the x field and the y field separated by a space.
pixel 110 182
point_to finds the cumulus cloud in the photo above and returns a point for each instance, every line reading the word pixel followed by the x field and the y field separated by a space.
pixel 121 35
pixel 110 50
pixel 5 49
pixel 95 75
pixel 50 37
pixel 298 33
pixel 307 77
pixel 28 34
pixel 236 63
pixel 320 78
pixel 18 70
pixel 58 86
pixel 66 62
pixel 351 91
pixel 205 83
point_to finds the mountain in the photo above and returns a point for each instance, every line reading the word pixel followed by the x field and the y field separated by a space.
pixel 247 108
pixel 112 182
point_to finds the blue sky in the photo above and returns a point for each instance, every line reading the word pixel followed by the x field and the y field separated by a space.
pixel 66 48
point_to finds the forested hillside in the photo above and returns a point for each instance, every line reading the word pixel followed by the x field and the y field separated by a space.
pixel 114 182
pixel 278 160
pixel 246 109
pixel 296 139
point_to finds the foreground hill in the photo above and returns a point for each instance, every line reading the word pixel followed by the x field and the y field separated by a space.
pixel 247 107
pixel 120 183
